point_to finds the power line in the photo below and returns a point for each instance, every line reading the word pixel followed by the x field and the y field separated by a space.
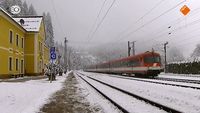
pixel 149 22
pixel 97 17
pixel 52 1
pixel 193 13
pixel 99 24
pixel 177 29
pixel 184 40
pixel 147 13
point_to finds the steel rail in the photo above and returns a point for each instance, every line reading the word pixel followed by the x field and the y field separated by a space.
pixel 163 107
pixel 113 102
pixel 155 82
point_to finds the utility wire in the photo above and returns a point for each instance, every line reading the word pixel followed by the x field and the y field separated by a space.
pixel 193 13
pixel 183 41
pixel 189 24
pixel 138 20
pixel 99 24
pixel 97 17
pixel 55 11
pixel 149 22
pixel 194 36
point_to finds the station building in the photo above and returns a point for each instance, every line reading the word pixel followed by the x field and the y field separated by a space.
pixel 22 45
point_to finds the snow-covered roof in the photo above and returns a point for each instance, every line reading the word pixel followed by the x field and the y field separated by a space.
pixel 1 9
pixel 6 13
pixel 31 24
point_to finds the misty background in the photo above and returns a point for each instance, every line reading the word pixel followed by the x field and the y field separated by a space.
pixel 98 30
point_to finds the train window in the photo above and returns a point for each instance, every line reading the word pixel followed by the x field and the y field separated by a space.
pixel 134 62
pixel 152 59
pixel 124 63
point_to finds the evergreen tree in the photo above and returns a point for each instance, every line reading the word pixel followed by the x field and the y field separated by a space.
pixel 49 29
pixel 24 8
pixel 196 52
pixel 32 11
pixel 6 4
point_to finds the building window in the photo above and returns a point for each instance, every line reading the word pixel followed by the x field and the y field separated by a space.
pixel 22 42
pixel 17 40
pixel 10 64
pixel 11 36
pixel 22 66
pixel 17 64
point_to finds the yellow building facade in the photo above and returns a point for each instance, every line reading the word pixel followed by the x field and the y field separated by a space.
pixel 22 47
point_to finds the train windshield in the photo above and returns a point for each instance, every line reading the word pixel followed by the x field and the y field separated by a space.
pixel 152 59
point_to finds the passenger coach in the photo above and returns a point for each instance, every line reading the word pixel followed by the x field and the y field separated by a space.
pixel 145 64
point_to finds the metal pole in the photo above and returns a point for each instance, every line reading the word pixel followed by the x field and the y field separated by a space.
pixel 129 48
pixel 51 71
pixel 65 55
pixel 133 47
pixel 165 44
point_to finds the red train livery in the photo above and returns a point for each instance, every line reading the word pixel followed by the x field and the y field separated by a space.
pixel 146 64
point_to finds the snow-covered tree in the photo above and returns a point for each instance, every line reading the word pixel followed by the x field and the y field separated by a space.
pixel 175 55
pixel 196 52
pixel 109 52
pixel 49 29
pixel 24 8
pixel 32 11
pixel 6 4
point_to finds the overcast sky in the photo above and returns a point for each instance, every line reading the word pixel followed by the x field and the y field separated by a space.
pixel 74 19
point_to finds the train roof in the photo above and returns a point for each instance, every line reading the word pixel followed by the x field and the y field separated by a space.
pixel 130 57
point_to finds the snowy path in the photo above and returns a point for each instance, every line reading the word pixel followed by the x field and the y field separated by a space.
pixel 27 97
pixel 183 99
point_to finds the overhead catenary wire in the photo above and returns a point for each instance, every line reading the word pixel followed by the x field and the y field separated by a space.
pixel 100 23
pixel 152 20
pixel 140 18
pixel 193 13
pixel 100 11
pixel 159 17
pixel 55 11
pixel 188 25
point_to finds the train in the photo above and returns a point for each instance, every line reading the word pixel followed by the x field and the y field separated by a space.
pixel 147 64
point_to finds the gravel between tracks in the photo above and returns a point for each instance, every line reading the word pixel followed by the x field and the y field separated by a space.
pixel 69 100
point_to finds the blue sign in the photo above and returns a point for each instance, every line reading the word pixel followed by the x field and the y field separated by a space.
pixel 53 56
pixel 52 50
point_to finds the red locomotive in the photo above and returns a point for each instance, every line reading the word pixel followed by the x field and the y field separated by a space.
pixel 146 64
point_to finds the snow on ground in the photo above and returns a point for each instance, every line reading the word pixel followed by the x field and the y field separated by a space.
pixel 183 99
pixel 129 103
pixel 95 99
pixel 161 81
pixel 27 97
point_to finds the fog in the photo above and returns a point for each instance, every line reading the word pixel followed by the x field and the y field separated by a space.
pixel 148 22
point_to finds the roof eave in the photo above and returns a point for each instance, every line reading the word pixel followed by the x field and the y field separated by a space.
pixel 9 16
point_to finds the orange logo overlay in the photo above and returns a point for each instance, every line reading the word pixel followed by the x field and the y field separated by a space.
pixel 185 10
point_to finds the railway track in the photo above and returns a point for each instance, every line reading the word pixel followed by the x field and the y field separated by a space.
pixel 155 82
pixel 163 107
pixel 178 80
